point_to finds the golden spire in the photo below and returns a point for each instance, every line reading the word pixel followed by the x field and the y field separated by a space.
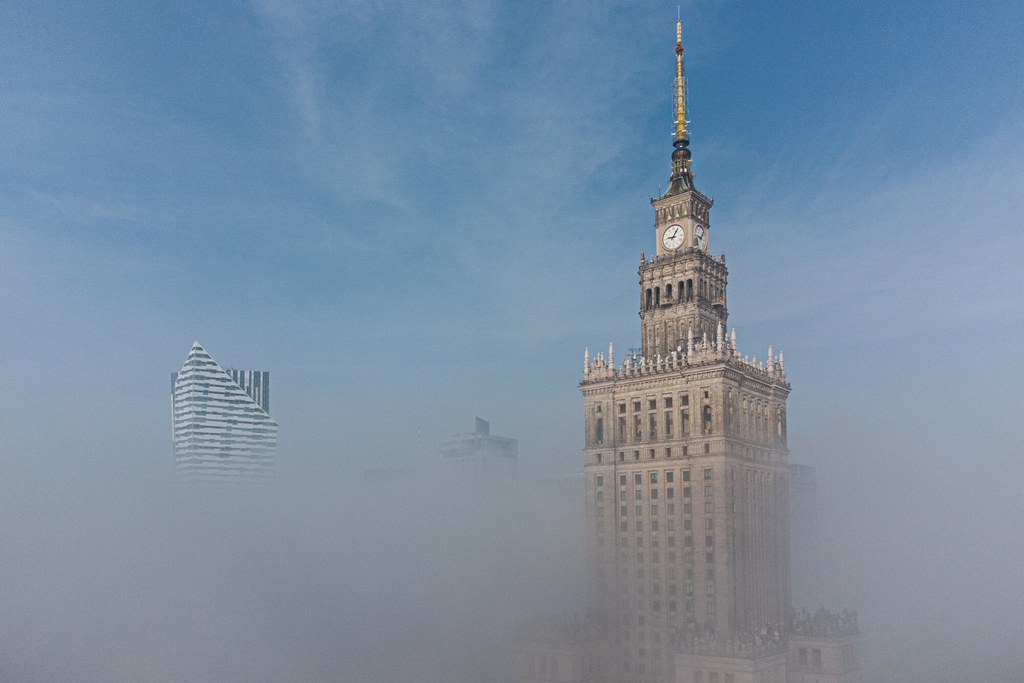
pixel 682 177
pixel 681 133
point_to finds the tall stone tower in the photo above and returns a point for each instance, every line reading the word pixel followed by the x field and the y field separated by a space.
pixel 686 466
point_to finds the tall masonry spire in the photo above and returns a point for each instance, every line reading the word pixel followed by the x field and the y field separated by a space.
pixel 682 177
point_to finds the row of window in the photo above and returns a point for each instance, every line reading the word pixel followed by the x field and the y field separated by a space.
pixel 652 476
pixel 682 293
pixel 670 510
pixel 634 432
pixel 670 493
pixel 652 403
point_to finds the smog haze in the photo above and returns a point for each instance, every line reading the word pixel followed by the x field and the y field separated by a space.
pixel 415 214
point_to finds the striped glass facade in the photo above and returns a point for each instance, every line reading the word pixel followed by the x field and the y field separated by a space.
pixel 223 432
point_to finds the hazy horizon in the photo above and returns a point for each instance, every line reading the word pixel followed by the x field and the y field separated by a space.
pixel 411 215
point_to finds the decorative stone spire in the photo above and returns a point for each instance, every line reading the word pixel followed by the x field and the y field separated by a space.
pixel 720 338
pixel 586 361
pixel 689 341
pixel 682 178
pixel 770 355
pixel 611 355
pixel 734 348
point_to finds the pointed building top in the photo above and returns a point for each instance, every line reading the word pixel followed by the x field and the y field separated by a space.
pixel 682 178
pixel 681 133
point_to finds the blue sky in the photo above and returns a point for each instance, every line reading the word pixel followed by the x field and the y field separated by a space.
pixel 411 214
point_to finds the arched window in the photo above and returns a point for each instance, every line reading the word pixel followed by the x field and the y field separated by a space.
pixel 706 421
pixel 599 431
pixel 668 293
pixel 682 291
pixel 689 289
pixel 657 296
pixel 648 303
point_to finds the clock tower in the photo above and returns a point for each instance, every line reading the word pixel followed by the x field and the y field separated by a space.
pixel 682 288
pixel 686 469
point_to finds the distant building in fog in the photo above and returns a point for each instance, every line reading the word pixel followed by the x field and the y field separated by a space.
pixel 561 650
pixel 803 532
pixel 479 453
pixel 222 429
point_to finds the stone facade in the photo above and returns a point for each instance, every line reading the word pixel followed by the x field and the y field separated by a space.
pixel 686 478
pixel 686 472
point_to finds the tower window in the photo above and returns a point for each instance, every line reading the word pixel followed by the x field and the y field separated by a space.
pixel 647 301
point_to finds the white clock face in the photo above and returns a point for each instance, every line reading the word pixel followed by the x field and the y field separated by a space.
pixel 673 237
pixel 701 236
